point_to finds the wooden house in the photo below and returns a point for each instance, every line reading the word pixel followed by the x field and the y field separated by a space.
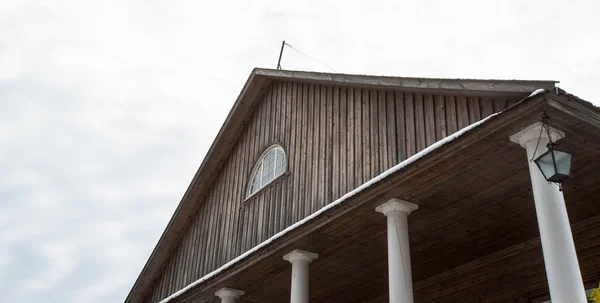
pixel 349 188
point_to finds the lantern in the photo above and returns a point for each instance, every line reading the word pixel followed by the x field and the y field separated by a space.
pixel 554 164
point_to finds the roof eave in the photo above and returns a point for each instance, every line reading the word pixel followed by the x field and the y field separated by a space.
pixel 457 86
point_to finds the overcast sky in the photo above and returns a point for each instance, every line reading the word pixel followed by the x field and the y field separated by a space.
pixel 107 108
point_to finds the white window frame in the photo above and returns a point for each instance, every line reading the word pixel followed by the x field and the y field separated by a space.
pixel 259 168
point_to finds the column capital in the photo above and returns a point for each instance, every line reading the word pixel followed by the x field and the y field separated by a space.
pixel 533 131
pixel 298 254
pixel 396 204
pixel 227 292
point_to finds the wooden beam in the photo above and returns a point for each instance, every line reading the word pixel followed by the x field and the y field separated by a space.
pixel 495 87
pixel 576 108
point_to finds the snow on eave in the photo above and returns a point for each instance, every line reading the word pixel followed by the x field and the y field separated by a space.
pixel 537 91
pixel 337 202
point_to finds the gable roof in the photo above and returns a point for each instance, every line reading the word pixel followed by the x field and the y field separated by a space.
pixel 258 82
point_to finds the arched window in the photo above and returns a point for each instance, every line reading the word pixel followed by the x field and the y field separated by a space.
pixel 271 164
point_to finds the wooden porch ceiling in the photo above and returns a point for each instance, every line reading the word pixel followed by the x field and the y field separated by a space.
pixel 473 239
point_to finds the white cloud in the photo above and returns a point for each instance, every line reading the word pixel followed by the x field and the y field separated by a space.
pixel 107 107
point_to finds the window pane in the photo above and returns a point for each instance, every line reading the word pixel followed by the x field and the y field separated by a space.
pixel 255 187
pixel 263 180
pixel 265 168
pixel 271 167
pixel 267 178
pixel 271 155
pixel 273 164
pixel 272 160
pixel 279 170
pixel 256 177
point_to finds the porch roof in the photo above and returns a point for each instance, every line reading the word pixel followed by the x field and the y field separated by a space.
pixel 480 156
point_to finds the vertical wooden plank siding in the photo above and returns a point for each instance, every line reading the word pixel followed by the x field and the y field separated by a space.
pixel 335 139
pixel 358 138
pixel 462 112
pixel 350 120
pixel 366 137
pixel 310 167
pixel 409 114
pixel 335 144
pixel 373 150
pixel 239 174
pixel 298 209
pixel 421 135
pixel 400 134
pixel 316 144
pixel 223 211
pixel 202 215
pixel 286 207
pixel 382 132
pixel 440 117
pixel 499 104
pixel 429 120
pixel 391 129
pixel 329 151
pixel 451 117
pixel 474 109
pixel 487 107
pixel 343 152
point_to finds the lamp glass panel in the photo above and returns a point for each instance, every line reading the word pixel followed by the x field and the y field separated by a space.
pixel 546 165
pixel 563 162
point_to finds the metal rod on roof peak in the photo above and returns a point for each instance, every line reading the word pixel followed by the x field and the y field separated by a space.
pixel 280 54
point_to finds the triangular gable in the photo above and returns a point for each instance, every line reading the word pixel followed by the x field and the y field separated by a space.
pixel 258 83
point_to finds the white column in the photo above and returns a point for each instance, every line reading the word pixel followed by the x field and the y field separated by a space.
pixel 229 295
pixel 399 268
pixel 300 260
pixel 560 258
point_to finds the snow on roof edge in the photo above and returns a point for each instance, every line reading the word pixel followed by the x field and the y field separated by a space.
pixel 340 200
pixel 537 91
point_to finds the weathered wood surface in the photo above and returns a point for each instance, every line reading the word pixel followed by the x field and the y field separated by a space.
pixel 513 274
pixel 500 221
pixel 461 176
pixel 335 137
